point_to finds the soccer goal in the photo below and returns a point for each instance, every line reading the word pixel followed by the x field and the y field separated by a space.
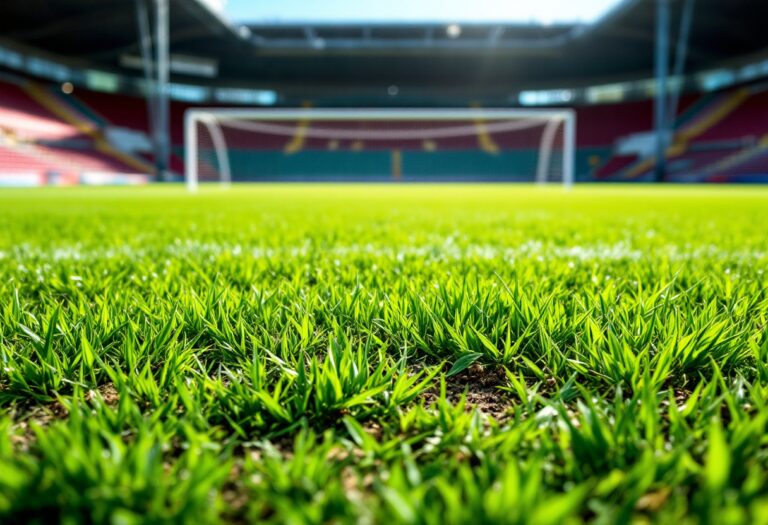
pixel 515 145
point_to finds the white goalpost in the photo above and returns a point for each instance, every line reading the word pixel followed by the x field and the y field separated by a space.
pixel 234 144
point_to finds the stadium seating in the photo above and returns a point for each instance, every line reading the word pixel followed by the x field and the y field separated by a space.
pixel 26 119
pixel 600 125
pixel 615 164
pixel 128 111
pixel 44 138
pixel 749 119
pixel 704 122
pixel 15 160
pixel 718 137
pixel 118 110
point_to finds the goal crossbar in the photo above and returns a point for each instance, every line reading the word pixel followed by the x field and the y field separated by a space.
pixel 210 118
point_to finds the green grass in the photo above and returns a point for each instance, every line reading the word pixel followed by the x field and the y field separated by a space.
pixel 384 354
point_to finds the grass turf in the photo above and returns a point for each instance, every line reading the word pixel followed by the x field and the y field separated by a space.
pixel 384 354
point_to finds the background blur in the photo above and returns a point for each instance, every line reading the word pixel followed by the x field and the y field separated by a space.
pixel 94 92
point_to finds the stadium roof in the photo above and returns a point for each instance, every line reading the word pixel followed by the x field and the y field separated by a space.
pixel 481 58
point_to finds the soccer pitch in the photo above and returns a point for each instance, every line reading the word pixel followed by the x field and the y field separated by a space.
pixel 384 354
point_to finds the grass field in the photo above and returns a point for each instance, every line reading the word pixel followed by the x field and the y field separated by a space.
pixel 384 354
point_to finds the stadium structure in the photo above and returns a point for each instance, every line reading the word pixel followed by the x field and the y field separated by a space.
pixel 661 91
pixel 343 342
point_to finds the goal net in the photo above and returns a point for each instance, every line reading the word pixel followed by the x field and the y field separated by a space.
pixel 515 145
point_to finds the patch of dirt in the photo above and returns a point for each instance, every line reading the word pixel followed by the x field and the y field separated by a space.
pixel 356 483
pixel 25 414
pixel 653 501
pixel 481 385
pixel 108 392
pixel 40 415
pixel 374 429
pixel 235 494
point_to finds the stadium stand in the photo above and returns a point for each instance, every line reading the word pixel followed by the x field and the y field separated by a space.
pixel 747 119
pixel 719 133
pixel 115 109
pixel 615 164
pixel 45 140
pixel 22 116
pixel 718 137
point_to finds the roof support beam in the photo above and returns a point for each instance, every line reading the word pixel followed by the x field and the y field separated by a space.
pixel 681 55
pixel 495 34
pixel 156 73
pixel 662 74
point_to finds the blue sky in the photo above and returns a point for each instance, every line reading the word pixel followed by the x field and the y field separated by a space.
pixel 546 11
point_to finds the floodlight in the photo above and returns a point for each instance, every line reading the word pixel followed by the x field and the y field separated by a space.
pixel 453 31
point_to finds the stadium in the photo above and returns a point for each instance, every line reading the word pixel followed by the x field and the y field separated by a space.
pixel 427 262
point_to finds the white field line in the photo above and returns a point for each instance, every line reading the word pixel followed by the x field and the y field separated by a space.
pixel 447 250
